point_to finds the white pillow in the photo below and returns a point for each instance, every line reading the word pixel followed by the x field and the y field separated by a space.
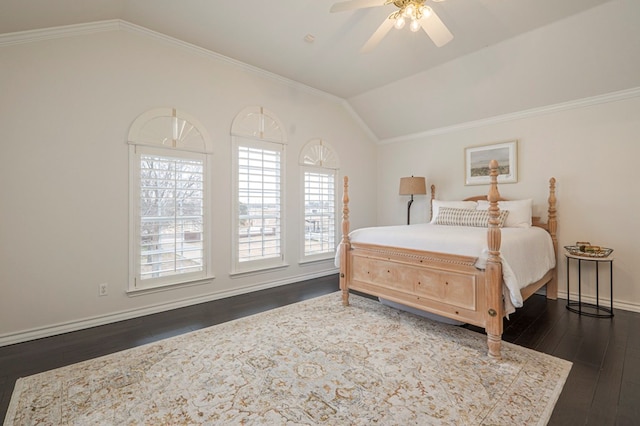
pixel 520 212
pixel 436 204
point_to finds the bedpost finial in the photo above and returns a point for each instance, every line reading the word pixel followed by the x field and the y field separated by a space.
pixel 345 211
pixel 345 194
pixel 494 194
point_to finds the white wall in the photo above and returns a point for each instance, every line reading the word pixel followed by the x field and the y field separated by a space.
pixel 65 111
pixel 593 153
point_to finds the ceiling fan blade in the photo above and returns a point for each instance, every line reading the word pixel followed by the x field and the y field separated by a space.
pixel 436 29
pixel 355 4
pixel 382 31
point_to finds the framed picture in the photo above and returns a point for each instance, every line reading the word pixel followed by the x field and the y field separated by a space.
pixel 477 160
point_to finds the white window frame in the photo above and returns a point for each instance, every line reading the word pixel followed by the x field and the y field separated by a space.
pixel 330 252
pixel 256 127
pixel 318 157
pixel 167 133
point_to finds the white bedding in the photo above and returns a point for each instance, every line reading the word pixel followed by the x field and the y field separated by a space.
pixel 527 253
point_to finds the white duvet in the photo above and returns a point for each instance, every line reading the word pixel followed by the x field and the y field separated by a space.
pixel 527 253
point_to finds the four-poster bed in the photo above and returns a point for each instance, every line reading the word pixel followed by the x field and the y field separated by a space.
pixel 443 282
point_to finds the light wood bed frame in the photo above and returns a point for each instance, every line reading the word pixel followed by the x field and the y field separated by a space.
pixel 444 284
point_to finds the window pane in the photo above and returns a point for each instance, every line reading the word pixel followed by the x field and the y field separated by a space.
pixel 319 213
pixel 259 197
pixel 171 216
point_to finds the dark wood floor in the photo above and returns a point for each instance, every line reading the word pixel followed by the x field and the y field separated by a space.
pixel 603 387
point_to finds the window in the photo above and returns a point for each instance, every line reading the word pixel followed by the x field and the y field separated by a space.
pixel 171 216
pixel 259 202
pixel 258 195
pixel 169 201
pixel 319 166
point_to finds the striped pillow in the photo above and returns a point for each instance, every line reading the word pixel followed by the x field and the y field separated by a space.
pixel 466 217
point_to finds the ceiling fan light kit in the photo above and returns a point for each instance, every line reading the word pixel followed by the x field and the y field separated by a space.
pixel 420 15
pixel 415 14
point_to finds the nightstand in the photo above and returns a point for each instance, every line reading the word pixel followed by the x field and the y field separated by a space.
pixel 584 308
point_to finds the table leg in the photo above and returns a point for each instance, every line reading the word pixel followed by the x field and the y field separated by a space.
pixel 597 285
pixel 568 294
pixel 611 285
pixel 580 286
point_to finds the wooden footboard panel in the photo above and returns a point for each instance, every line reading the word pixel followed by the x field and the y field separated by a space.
pixel 447 285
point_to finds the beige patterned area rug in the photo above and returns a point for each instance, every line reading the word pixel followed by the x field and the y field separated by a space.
pixel 313 362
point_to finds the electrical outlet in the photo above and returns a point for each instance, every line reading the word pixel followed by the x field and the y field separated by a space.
pixel 103 289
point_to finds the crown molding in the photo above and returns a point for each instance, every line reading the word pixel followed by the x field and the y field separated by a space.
pixel 31 36
pixel 534 112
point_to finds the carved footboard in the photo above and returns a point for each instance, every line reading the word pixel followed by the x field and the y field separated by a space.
pixel 440 283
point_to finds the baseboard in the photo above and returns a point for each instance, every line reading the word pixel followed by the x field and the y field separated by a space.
pixel 52 330
pixel 66 327
pixel 617 304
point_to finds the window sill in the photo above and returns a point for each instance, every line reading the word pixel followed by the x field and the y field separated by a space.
pixel 257 271
pixel 166 287
pixel 316 260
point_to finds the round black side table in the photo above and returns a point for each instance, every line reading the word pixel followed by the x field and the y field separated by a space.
pixel 584 308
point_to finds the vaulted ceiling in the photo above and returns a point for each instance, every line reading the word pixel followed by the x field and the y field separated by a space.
pixel 271 34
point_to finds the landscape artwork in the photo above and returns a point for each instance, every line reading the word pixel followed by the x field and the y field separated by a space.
pixel 477 160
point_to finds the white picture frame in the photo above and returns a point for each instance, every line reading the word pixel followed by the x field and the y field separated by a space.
pixel 477 160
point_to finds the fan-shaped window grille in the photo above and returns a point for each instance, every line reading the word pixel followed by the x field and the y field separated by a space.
pixel 169 128
pixel 170 234
pixel 259 148
pixel 259 123
pixel 320 154
pixel 319 164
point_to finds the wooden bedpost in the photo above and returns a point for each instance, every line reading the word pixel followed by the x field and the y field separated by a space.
pixel 433 197
pixel 345 244
pixel 552 224
pixel 493 272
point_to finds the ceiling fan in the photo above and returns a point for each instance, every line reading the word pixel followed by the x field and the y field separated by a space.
pixel 415 11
